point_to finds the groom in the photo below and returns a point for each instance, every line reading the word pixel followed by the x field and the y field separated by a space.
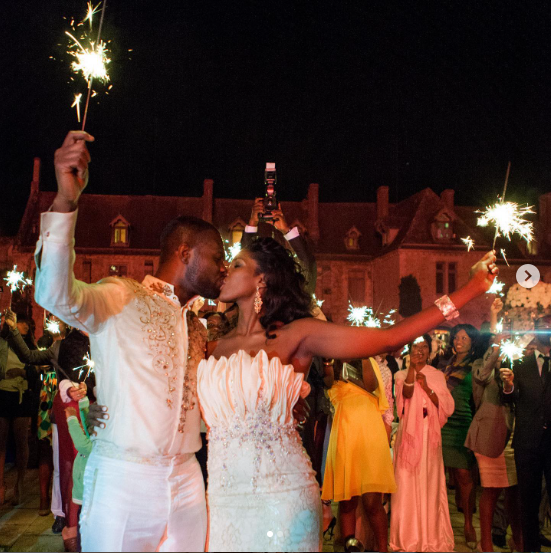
pixel 143 488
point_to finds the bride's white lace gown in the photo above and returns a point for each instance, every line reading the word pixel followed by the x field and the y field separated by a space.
pixel 262 493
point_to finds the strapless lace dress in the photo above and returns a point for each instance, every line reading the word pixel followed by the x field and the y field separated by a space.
pixel 262 492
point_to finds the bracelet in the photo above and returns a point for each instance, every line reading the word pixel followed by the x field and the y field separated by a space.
pixel 447 308
pixel 408 384
pixel 328 362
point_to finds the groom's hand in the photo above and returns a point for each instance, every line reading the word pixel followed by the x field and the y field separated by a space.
pixel 71 170
pixel 97 417
pixel 301 412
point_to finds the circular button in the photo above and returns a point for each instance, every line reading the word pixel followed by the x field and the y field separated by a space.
pixel 528 275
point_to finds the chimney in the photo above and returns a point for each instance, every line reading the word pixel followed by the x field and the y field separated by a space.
pixel 313 211
pixel 447 197
pixel 382 203
pixel 35 184
pixel 208 186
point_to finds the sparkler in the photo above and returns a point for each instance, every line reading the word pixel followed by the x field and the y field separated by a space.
pixel 89 364
pixel 53 327
pixel 469 242
pixel 16 280
pixel 365 316
pixel 511 350
pixel 90 61
pixel 496 287
pixel 504 256
pixel 508 218
pixel 319 303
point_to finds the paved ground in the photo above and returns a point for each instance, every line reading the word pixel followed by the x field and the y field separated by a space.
pixel 21 529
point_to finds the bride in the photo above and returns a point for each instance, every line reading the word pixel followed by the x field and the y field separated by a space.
pixel 262 494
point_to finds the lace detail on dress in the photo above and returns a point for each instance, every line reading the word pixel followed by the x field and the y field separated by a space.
pixel 257 465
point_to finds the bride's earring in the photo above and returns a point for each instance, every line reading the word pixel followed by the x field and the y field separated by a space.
pixel 257 301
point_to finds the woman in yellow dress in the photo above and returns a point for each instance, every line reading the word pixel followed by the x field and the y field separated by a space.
pixel 359 464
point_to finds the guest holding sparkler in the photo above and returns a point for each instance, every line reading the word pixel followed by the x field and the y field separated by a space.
pixel 528 386
pixel 420 518
pixel 457 458
pixel 16 401
pixel 489 437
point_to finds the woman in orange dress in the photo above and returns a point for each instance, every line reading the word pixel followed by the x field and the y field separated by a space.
pixel 359 464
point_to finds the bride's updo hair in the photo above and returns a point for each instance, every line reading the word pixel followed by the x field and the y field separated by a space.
pixel 285 297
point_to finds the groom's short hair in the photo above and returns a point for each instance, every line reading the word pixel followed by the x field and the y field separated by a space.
pixel 190 230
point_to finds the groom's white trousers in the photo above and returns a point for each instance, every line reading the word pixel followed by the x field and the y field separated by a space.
pixel 139 507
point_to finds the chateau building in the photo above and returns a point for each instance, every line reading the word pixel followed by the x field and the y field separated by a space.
pixel 386 255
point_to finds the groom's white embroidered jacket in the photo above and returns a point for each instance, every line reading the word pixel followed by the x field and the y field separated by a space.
pixel 145 345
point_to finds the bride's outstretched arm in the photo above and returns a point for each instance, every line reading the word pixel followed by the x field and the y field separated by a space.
pixel 344 342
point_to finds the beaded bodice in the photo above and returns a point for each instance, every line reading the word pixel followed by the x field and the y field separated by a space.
pixel 247 402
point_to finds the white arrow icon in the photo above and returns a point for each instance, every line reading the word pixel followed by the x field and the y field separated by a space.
pixel 528 275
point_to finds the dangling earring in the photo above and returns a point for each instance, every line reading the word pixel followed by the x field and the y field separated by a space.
pixel 257 301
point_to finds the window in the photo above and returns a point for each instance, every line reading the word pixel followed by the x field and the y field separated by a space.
pixel 352 239
pixel 446 277
pixel 120 235
pixel 87 271
pixel 356 287
pixel 442 227
pixel 148 268
pixel 440 278
pixel 452 271
pixel 117 270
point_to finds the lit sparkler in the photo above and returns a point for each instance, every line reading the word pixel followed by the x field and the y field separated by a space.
pixel 319 303
pixel 508 219
pixel 504 256
pixel 469 242
pixel 16 280
pixel 357 315
pixel 365 316
pixel 88 364
pixel 53 327
pixel 91 56
pixel 496 287
pixel 511 350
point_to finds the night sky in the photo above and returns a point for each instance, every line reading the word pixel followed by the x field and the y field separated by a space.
pixel 350 94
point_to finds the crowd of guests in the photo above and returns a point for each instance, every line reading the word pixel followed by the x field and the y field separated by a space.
pixel 44 396
pixel 381 433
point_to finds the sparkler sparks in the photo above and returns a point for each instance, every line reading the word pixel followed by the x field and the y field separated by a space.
pixel 16 280
pixel 52 327
pixel 469 242
pixel 504 256
pixel 496 288
pixel 365 316
pixel 499 326
pixel 76 104
pixel 90 14
pixel 508 219
pixel 91 62
pixel 511 350
pixel 88 364
pixel 319 303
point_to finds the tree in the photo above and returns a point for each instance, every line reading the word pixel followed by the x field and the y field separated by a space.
pixel 410 296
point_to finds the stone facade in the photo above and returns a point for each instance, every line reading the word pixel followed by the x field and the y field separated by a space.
pixel 363 250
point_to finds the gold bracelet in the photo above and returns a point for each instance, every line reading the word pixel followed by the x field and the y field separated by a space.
pixel 447 308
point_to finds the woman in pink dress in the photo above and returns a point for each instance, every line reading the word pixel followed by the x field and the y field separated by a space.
pixel 420 518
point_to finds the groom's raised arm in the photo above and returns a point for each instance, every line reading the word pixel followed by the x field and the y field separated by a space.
pixel 84 306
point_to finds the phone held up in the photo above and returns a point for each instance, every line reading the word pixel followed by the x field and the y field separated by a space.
pixel 270 200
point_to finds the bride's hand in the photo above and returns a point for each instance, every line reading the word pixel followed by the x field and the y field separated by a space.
pixel 484 272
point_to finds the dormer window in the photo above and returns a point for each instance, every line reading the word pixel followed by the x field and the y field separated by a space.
pixel 352 239
pixel 442 227
pixel 237 228
pixel 120 234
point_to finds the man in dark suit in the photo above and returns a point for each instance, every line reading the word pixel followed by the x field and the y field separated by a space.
pixel 528 386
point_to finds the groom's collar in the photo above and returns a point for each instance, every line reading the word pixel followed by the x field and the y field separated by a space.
pixel 167 290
